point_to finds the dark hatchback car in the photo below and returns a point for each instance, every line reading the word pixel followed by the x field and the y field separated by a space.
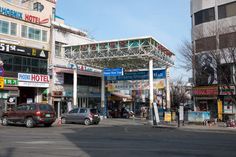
pixel 30 115
pixel 86 116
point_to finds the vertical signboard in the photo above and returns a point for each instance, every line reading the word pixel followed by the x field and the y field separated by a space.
pixel 1 82
pixel 220 110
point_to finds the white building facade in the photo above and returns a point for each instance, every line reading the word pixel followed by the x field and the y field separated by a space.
pixel 63 73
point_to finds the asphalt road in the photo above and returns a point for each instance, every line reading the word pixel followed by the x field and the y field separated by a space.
pixel 114 138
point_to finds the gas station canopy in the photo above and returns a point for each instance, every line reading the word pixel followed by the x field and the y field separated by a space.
pixel 130 54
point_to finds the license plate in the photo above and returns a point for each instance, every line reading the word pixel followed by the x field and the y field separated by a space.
pixel 47 115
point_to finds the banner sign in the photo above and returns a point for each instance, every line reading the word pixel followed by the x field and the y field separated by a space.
pixel 19 50
pixel 21 16
pixel 228 104
pixel 225 90
pixel 33 77
pixel 1 82
pixel 198 116
pixel 135 85
pixel 139 75
pixel 113 71
pixel 220 109
pixel 10 81
pixel 205 91
pixel 33 84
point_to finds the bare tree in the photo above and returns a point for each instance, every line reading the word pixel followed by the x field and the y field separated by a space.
pixel 186 55
pixel 180 92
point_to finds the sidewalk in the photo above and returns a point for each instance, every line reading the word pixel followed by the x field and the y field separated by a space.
pixel 189 126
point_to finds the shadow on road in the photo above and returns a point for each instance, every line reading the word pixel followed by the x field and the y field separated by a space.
pixel 135 141
pixel 8 152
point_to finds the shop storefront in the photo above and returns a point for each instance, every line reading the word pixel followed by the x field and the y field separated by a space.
pixel 206 99
pixel 32 87
pixel 227 95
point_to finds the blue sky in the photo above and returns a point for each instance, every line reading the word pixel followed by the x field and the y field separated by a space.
pixel 167 20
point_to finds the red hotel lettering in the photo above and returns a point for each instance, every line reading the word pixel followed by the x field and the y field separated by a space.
pixel 40 78
pixel 32 19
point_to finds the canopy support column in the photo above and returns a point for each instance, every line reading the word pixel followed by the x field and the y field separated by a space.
pixel 151 90
pixel 75 86
pixel 168 88
pixel 103 95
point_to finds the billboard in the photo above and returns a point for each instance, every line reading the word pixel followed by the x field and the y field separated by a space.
pixel 206 73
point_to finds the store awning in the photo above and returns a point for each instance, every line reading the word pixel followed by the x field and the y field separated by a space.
pixel 121 95
pixel 70 71
pixel 11 88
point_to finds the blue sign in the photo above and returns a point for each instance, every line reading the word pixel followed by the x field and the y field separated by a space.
pixel 11 13
pixel 138 75
pixel 1 71
pixel 198 116
pixel 113 71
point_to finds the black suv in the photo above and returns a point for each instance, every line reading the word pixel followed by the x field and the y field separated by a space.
pixel 30 115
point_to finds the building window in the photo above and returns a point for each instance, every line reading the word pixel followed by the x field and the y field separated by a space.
pixel 225 72
pixel 4 27
pixel 227 10
pixel 204 16
pixel 8 27
pixel 58 48
pixel 23 31
pixel 33 33
pixel 206 44
pixel 53 13
pixel 38 7
pixel 227 40
pixel 15 63
pixel 13 28
pixel 44 36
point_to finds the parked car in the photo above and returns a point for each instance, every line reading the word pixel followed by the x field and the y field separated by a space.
pixel 30 115
pixel 86 116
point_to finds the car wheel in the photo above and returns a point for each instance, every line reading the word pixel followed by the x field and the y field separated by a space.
pixel 96 123
pixel 63 120
pixel 4 121
pixel 86 122
pixel 29 123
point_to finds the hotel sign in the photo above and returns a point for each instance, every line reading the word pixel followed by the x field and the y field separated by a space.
pixel 33 80
pixel 20 16
pixel 33 77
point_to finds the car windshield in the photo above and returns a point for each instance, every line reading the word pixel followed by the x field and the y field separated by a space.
pixel 45 107
pixel 94 111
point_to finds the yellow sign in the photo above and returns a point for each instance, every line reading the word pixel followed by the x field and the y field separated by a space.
pixel 111 87
pixel 167 117
pixel 1 82
pixel 160 84
pixel 34 53
pixel 220 110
